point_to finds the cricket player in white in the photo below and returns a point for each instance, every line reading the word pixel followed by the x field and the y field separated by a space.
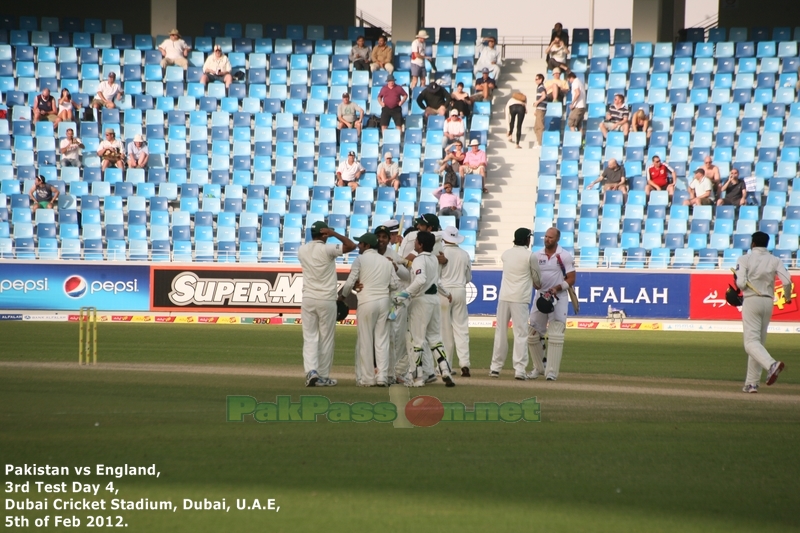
pixel 755 277
pixel 520 276
pixel 318 309
pixel 558 275
pixel 455 275
pixel 374 275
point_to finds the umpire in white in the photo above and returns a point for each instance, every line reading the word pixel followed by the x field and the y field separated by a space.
pixel 318 309
pixel 558 275
pixel 456 273
pixel 755 277
pixel 520 276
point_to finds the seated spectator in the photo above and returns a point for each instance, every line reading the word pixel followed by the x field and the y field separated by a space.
pixel 577 108
pixel 453 129
pixel 556 87
pixel 349 172
pixel 42 195
pixel 174 51
pixel 45 108
pixel 382 56
pixel 434 99
pixel 66 107
pixel 108 92
pixel 484 87
pixel 734 189
pixel 449 203
pixel 660 177
pixel 111 151
pixel 70 148
pixel 489 57
pixel 557 53
pixel 391 98
pixel 617 117
pixel 475 163
pixel 461 101
pixel 360 54
pixel 613 178
pixel 540 106
pixel 516 109
pixel 418 57
pixel 349 115
pixel 389 172
pixel 138 153
pixel 453 159
pixel 217 68
pixel 700 189
pixel 712 173
pixel 641 122
pixel 559 31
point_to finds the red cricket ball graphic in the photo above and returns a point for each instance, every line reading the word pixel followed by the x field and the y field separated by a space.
pixel 424 411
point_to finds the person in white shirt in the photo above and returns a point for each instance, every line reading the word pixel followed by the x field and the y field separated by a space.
pixel 138 153
pixel 700 189
pixel 217 68
pixel 520 276
pixel 489 56
pixel 70 148
pixel 112 151
pixel 107 93
pixel 374 276
pixel 349 172
pixel 318 308
pixel 174 51
pixel 453 129
pixel 578 105
pixel 455 276
pixel 418 72
pixel 558 275
pixel 755 277
pixel 389 172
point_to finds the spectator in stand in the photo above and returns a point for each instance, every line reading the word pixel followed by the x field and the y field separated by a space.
pixel 540 108
pixel 349 172
pixel 484 87
pixel 70 148
pixel 556 87
pixel 391 98
pixel 557 53
pixel 46 108
pixel 217 68
pixel 712 173
pixel 434 99
pixel 418 57
pixel 138 153
pixel 174 51
pixel 360 54
pixel 641 122
pixel 382 56
pixel 660 177
pixel 559 31
pixel 449 203
pixel 489 57
pixel 349 115
pixel 475 163
pixel 617 117
pixel 700 189
pixel 577 109
pixel 455 157
pixel 66 107
pixel 111 151
pixel 42 195
pixel 516 109
pixel 613 178
pixel 461 101
pixel 107 92
pixel 389 172
pixel 453 129
pixel 734 189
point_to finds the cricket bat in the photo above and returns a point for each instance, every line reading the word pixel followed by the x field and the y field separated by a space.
pixel 576 306
pixel 397 245
pixel 748 284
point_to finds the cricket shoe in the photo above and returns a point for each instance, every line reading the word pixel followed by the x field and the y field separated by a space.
pixel 327 382
pixel 447 373
pixel 403 378
pixel 431 379
pixel 774 370
pixel 382 383
pixel 464 371
pixel 521 377
pixel 312 378
pixel 751 389
pixel 494 374
pixel 533 374
pixel 551 377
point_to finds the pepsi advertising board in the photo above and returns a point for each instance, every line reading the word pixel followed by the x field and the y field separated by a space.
pixel 69 286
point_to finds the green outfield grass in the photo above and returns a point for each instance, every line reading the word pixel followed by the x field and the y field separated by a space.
pixel 600 460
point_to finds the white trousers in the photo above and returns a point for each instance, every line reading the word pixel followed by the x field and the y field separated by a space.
pixel 539 320
pixel 756 314
pixel 518 313
pixel 319 323
pixel 373 338
pixel 455 326
pixel 424 323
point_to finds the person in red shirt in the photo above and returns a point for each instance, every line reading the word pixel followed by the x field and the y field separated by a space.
pixel 391 98
pixel 660 177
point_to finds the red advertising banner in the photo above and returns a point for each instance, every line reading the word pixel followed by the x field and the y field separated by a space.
pixel 707 299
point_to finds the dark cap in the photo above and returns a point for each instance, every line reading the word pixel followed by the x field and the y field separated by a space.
pixel 521 234
pixel 389 78
pixel 433 86
pixel 429 219
pixel 317 227
pixel 382 229
pixel 351 153
pixel 368 238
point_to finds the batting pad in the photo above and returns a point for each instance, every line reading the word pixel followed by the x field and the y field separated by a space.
pixel 555 345
pixel 536 349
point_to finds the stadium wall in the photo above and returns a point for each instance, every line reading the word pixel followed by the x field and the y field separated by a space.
pixel 753 13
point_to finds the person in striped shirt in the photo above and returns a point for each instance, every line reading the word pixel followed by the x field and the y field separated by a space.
pixel 617 117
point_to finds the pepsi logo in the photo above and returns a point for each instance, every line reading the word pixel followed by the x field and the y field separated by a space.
pixel 75 287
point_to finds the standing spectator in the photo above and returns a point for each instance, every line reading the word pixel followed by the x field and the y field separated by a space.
pixel 382 56
pixel 641 122
pixel 360 54
pixel 516 109
pixel 461 100
pixel 349 115
pixel 557 55
pixel 434 99
pixel 617 117
pixel 453 129
pixel 613 178
pixel 111 151
pixel 556 87
pixel 70 148
pixel 734 190
pixel 456 275
pixel 484 87
pixel 489 57
pixel 389 172
pixel 66 107
pixel 418 72
pixel 660 177
pixel 138 153
pixel 217 68
pixel 449 203
pixel 700 189
pixel 349 172
pixel 475 163
pixel 540 108
pixel 577 109
pixel 46 108
pixel 391 98
pixel 107 92
pixel 712 173
pixel 559 31
pixel 174 51
pixel 454 158
pixel 42 195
